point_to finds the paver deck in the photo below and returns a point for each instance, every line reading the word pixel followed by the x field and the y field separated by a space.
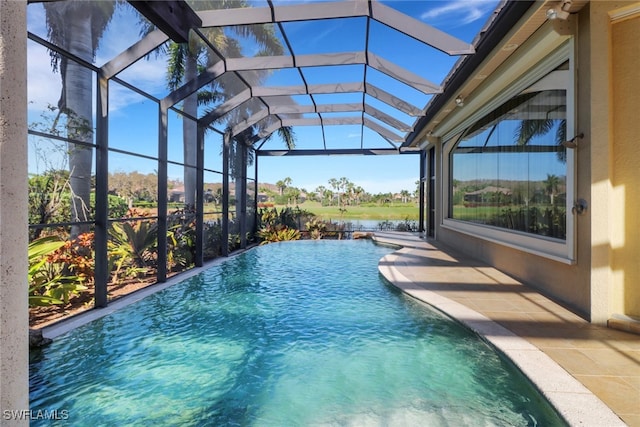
pixel 590 373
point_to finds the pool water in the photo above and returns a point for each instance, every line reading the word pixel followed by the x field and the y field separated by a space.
pixel 291 334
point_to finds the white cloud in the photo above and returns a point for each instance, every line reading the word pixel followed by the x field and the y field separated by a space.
pixel 459 12
pixel 43 85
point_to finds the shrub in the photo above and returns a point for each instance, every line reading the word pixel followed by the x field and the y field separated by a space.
pixel 277 227
pixel 58 269
pixel 316 228
pixel 181 239
pixel 132 246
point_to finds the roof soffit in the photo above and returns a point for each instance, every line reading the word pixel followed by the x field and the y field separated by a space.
pixel 531 22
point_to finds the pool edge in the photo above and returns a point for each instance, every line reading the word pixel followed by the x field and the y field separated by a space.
pixel 68 324
pixel 571 399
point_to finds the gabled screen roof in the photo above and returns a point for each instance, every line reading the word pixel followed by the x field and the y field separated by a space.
pixel 368 66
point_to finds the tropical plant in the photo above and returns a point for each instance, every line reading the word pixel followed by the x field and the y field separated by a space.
pixel 277 233
pixel 212 239
pixel 234 241
pixel 39 282
pixel 181 237
pixel 283 184
pixel 49 200
pixel 132 246
pixel 316 228
pixel 50 262
pixel 278 227
pixel 551 186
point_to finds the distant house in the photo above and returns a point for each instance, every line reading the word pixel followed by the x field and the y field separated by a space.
pixel 485 196
pixel 176 195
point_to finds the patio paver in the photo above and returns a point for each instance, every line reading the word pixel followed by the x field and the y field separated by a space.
pixel 590 373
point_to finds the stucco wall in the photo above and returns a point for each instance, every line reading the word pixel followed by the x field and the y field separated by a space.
pixel 609 250
pixel 625 243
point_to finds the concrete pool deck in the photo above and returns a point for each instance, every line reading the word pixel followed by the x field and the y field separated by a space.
pixel 590 373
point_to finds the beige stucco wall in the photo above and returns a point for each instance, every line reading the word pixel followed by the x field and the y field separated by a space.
pixel 625 84
pixel 611 226
pixel 14 351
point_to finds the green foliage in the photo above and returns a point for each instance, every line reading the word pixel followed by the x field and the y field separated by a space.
pixel 543 222
pixel 49 281
pixel 132 247
pixel 181 239
pixel 234 241
pixel 316 228
pixel 117 205
pixel 212 239
pixel 137 237
pixel 277 233
pixel 278 227
pixel 49 199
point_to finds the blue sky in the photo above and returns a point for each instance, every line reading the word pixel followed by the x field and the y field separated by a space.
pixel 461 18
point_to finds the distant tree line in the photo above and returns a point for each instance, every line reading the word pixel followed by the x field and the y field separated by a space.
pixel 339 192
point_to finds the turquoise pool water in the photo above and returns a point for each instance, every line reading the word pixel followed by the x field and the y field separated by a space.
pixel 292 334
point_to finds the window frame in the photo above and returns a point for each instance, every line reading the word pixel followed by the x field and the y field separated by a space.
pixel 557 249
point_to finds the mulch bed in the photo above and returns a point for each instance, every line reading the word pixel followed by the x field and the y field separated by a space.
pixel 44 316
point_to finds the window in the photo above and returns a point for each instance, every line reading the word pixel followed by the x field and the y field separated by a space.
pixel 510 176
pixel 509 168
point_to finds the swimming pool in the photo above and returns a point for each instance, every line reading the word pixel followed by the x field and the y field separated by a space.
pixel 291 334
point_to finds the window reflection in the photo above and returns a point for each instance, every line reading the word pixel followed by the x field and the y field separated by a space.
pixel 509 168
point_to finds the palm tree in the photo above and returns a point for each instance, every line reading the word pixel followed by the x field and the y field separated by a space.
pixel 551 186
pixel 186 60
pixel 283 184
pixel 321 190
pixel 77 27
pixel 358 192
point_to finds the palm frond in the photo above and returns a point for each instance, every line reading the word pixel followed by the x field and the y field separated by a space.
pixel 103 12
pixel 206 97
pixel 528 129
pixel 287 135
pixel 561 137
pixel 264 35
pixel 176 66
pixel 99 13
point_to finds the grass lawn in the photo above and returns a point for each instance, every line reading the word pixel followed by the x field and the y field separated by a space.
pixel 478 213
pixel 394 211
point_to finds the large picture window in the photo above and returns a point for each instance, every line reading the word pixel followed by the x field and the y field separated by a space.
pixel 509 169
